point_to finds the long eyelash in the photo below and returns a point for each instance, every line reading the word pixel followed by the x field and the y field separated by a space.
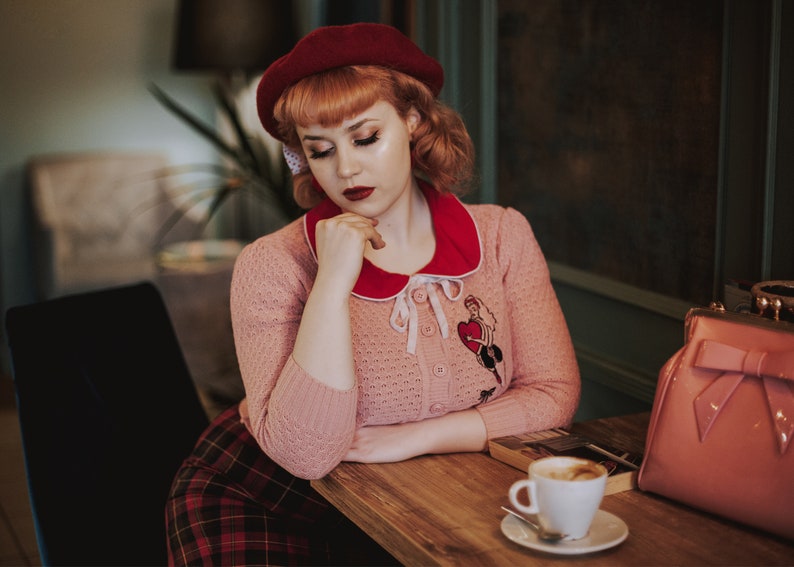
pixel 321 155
pixel 367 141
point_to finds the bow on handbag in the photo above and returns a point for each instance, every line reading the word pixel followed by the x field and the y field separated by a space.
pixel 776 369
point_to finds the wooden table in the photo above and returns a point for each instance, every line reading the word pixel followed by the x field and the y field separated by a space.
pixel 445 510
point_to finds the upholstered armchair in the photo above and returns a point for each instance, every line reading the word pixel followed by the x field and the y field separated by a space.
pixel 95 219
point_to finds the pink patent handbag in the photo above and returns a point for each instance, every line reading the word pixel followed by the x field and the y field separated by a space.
pixel 722 420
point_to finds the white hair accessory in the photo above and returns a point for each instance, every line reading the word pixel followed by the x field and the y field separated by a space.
pixel 295 160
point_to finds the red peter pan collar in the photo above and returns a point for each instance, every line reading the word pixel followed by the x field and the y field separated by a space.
pixel 458 247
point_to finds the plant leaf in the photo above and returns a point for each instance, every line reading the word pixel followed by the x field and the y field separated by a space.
pixel 193 122
pixel 227 104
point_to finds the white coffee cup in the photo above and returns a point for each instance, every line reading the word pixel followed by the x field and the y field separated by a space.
pixel 564 493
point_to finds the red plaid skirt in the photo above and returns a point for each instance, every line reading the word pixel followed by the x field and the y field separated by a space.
pixel 230 504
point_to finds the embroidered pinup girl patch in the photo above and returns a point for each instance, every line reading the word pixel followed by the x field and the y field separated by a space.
pixel 478 335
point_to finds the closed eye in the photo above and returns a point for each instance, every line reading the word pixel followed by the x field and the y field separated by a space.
pixel 320 155
pixel 316 154
pixel 368 141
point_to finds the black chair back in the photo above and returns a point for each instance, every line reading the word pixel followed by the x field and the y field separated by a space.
pixel 108 411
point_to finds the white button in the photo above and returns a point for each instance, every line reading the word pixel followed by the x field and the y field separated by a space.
pixel 440 370
pixel 436 408
pixel 428 329
pixel 420 295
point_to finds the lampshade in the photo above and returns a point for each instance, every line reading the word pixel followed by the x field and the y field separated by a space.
pixel 232 35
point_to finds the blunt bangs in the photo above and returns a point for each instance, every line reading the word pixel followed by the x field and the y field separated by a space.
pixel 331 97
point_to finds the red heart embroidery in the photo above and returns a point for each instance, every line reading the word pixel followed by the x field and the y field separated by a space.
pixel 473 330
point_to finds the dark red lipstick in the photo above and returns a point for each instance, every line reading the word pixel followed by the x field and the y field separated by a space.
pixel 357 193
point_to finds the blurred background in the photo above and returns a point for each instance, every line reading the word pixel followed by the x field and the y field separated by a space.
pixel 649 144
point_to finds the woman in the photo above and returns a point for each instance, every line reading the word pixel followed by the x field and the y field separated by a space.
pixel 342 319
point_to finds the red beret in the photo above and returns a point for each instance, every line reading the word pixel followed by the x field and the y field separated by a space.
pixel 331 47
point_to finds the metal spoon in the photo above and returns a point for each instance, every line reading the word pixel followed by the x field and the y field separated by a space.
pixel 541 531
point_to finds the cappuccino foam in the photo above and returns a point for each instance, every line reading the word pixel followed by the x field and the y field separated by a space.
pixel 582 471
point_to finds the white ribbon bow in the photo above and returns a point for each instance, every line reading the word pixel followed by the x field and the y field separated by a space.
pixel 404 315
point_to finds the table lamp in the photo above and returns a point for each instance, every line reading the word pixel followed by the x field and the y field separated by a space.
pixel 232 35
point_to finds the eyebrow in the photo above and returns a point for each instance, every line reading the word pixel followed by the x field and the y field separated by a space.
pixel 351 128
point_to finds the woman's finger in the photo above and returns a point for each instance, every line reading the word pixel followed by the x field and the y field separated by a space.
pixel 365 225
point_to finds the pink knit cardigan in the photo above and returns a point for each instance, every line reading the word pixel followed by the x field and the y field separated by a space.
pixel 479 327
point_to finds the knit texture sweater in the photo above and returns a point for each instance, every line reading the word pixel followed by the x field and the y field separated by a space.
pixel 479 327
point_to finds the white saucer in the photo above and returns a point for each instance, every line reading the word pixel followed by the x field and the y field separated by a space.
pixel 607 530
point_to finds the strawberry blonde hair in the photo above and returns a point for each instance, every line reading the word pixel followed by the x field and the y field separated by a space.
pixel 441 150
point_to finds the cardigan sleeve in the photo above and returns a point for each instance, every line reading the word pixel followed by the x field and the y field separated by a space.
pixel 302 424
pixel 545 386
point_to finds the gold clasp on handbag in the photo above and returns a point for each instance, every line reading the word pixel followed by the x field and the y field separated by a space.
pixel 777 295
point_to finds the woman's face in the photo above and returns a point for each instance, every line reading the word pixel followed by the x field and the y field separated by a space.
pixel 363 164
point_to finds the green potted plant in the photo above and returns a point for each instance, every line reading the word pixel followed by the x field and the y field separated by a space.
pixel 248 170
